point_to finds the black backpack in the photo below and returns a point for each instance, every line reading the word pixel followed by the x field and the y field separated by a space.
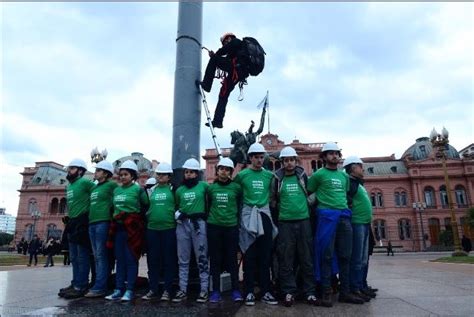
pixel 256 56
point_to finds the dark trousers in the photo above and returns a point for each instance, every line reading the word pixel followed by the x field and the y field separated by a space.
pixel 341 246
pixel 35 255
pixel 295 239
pixel 49 260
pixel 222 244
pixel 258 256
pixel 228 85
pixel 161 258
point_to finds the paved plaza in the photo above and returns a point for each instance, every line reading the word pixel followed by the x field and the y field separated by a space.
pixel 409 285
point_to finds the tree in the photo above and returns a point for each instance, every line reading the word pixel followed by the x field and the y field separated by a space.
pixel 5 238
pixel 446 237
pixel 470 217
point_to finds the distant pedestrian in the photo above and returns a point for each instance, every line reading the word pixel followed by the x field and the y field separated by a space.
pixel 389 248
pixel 64 244
pixel 466 244
pixel 50 250
pixel 33 249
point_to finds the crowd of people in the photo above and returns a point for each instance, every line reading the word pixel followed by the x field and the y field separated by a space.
pixel 294 235
pixel 35 247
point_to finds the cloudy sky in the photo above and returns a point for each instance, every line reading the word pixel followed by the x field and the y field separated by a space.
pixel 371 76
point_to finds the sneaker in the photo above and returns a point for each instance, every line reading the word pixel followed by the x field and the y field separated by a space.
pixel 74 293
pixel 312 300
pixel 165 296
pixel 250 299
pixel 350 298
pixel 94 294
pixel 289 300
pixel 215 297
pixel 203 297
pixel 65 290
pixel 116 295
pixel 150 295
pixel 179 297
pixel 326 301
pixel 269 299
pixel 361 295
pixel 237 296
pixel 127 296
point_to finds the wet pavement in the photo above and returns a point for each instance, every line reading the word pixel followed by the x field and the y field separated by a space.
pixel 409 285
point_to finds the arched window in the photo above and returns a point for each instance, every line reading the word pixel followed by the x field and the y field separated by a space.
pixel 404 229
pixel 400 198
pixel 28 233
pixel 54 206
pixel 443 196
pixel 429 197
pixel 460 192
pixel 313 166
pixel 433 224
pixel 52 231
pixel 62 206
pixel 379 229
pixel 377 198
pixel 32 206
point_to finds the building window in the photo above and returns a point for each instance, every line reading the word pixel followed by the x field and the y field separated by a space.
pixel 404 229
pixel 62 206
pixel 313 166
pixel 32 206
pixel 377 199
pixel 429 197
pixel 379 229
pixel 443 196
pixel 393 169
pixel 423 151
pixel 447 224
pixel 400 199
pixel 28 233
pixel 433 226
pixel 370 170
pixel 54 207
pixel 461 200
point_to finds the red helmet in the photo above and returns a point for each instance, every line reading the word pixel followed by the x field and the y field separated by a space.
pixel 226 35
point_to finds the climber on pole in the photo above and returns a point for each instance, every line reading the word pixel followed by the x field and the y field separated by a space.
pixel 236 60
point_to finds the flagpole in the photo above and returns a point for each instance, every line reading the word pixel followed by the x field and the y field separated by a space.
pixel 268 114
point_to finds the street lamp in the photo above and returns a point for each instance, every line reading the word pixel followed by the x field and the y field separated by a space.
pixel 36 214
pixel 419 206
pixel 97 156
pixel 441 145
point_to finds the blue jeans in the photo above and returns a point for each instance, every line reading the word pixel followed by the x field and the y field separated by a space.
pixel 80 260
pixel 98 235
pixel 127 264
pixel 360 254
pixel 161 258
pixel 340 245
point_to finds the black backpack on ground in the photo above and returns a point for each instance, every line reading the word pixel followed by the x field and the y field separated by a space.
pixel 256 56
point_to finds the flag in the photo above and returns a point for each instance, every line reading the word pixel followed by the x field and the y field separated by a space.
pixel 264 103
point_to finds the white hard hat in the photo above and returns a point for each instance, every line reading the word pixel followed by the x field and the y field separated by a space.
pixel 256 148
pixel 191 164
pixel 288 151
pixel 130 165
pixel 330 146
pixel 225 161
pixel 352 160
pixel 77 162
pixel 151 181
pixel 164 168
pixel 106 166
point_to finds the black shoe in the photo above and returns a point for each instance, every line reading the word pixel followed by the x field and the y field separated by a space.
pixel 326 300
pixel 361 295
pixel 375 290
pixel 215 124
pixel 200 84
pixel 350 298
pixel 368 292
pixel 74 294
pixel 64 290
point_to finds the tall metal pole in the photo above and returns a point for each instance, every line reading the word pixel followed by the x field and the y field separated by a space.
pixel 187 101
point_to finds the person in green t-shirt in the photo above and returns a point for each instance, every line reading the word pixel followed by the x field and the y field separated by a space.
pixel 289 201
pixel 222 229
pixel 161 235
pixel 257 229
pixel 361 206
pixel 128 228
pixel 77 196
pixel 100 214
pixel 330 186
pixel 191 229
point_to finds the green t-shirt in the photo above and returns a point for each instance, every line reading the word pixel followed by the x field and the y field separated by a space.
pixel 78 196
pixel 101 201
pixel 330 187
pixel 192 200
pixel 255 186
pixel 224 204
pixel 361 207
pixel 162 206
pixel 293 205
pixel 129 199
